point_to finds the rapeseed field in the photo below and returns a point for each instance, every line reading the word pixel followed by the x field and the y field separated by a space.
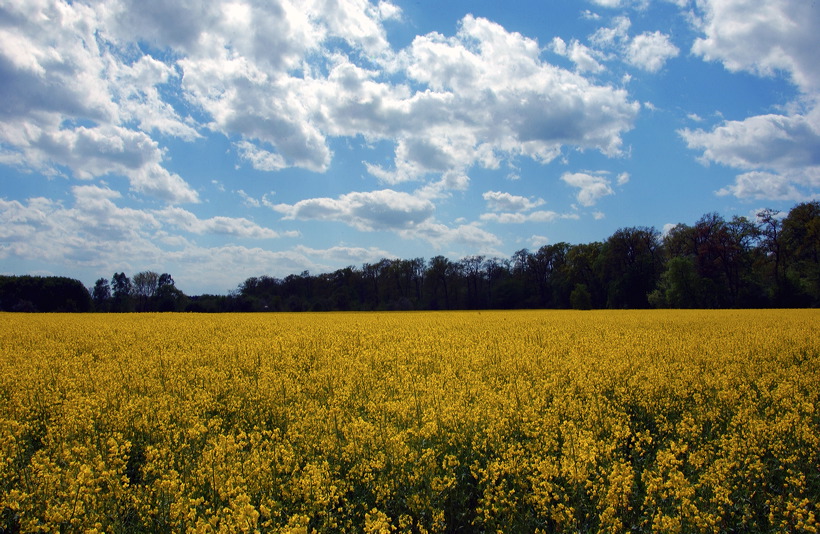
pixel 535 421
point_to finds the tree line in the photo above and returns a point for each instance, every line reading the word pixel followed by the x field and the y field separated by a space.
pixel 771 261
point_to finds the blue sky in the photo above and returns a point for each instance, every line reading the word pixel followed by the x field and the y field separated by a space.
pixel 226 139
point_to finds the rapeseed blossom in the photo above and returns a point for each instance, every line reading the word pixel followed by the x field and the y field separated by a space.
pixel 535 421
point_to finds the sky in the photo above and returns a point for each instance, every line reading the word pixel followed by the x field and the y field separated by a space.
pixel 221 140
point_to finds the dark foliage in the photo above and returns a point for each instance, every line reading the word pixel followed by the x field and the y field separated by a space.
pixel 43 294
pixel 773 261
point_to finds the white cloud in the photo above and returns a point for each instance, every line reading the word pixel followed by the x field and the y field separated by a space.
pixel 274 78
pixel 614 36
pixel 201 269
pixel 343 255
pixel 762 37
pixel 440 235
pixel 247 199
pixel 765 185
pixel 94 229
pixel 232 226
pixel 96 236
pixel 778 151
pixel 607 3
pixel 513 209
pixel 538 241
pixel 650 51
pixel 491 97
pixel 50 62
pixel 385 209
pixel 518 217
pixel 69 102
pixel 591 187
pixel 538 216
pixel 389 11
pixel 500 201
pixel 259 158
pixel 582 56
pixel 774 141
pixel 590 15
pixel 136 89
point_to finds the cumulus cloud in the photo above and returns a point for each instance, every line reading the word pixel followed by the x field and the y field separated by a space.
pixel 95 234
pixel 83 234
pixel 540 216
pixel 779 152
pixel 97 229
pixel 500 201
pixel 440 235
pixel 97 152
pixel 385 209
pixel 342 255
pixel 581 55
pixel 232 226
pixel 765 185
pixel 592 187
pixel 538 241
pixel 68 102
pixel 97 90
pixel 762 37
pixel 615 35
pixel 260 159
pixel 774 141
pixel 513 209
pixel 490 97
pixel 409 216
pixel 650 51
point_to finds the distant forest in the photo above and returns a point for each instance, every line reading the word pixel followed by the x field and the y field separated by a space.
pixel 771 261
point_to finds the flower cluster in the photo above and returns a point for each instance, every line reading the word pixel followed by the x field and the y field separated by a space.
pixel 532 421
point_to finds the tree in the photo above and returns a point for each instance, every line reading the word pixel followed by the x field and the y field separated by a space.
pixel 784 291
pixel 580 298
pixel 633 263
pixel 145 286
pixel 121 292
pixel 547 271
pixel 43 294
pixel 680 286
pixel 473 269
pixel 165 279
pixel 169 299
pixel 583 266
pixel 439 274
pixel 801 240
pixel 101 295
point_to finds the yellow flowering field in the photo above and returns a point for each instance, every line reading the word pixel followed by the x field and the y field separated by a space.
pixel 532 421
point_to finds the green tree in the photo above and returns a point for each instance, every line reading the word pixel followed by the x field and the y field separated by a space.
pixel 801 240
pixel 680 286
pixel 144 287
pixel 101 295
pixel 633 264
pixel 121 293
pixel 168 297
pixel 580 298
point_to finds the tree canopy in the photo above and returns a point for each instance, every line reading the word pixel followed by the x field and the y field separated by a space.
pixel 771 261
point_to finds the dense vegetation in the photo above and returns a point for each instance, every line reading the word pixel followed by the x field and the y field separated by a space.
pixel 772 261
pixel 470 422
pixel 44 294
